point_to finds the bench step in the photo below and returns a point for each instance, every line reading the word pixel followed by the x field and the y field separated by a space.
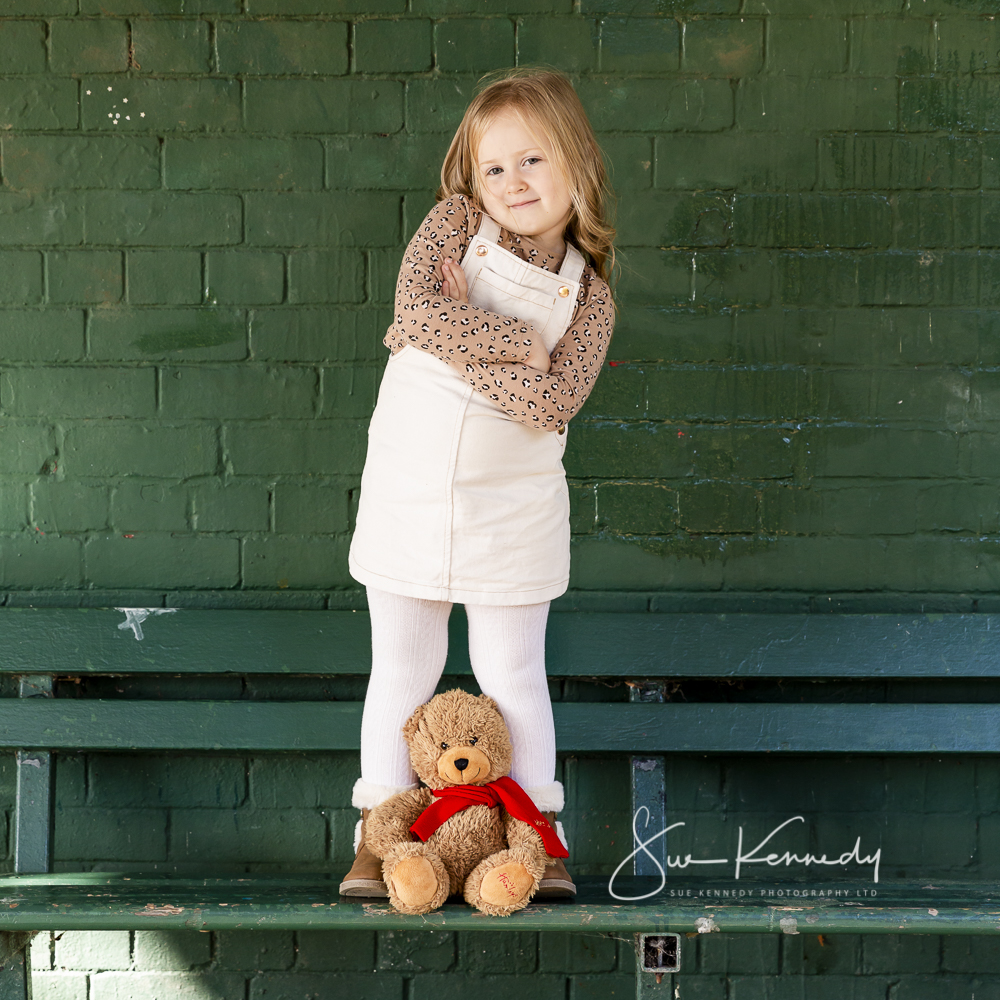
pixel 127 901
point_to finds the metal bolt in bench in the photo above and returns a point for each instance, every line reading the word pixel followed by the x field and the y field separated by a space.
pixel 39 644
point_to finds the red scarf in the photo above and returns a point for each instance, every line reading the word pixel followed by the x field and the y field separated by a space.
pixel 504 791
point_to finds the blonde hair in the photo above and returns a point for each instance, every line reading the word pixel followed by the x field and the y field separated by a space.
pixel 546 100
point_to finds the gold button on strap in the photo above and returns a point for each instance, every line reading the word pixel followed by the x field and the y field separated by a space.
pixel 564 291
pixel 562 430
pixel 481 251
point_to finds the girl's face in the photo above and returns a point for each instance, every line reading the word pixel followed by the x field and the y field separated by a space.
pixel 522 188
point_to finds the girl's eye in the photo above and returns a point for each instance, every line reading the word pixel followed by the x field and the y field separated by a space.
pixel 473 741
pixel 489 173
pixel 444 746
pixel 533 159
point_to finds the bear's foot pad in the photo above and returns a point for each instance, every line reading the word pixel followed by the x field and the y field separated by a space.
pixel 506 884
pixel 414 881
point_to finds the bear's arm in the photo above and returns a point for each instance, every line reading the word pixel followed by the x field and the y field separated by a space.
pixel 389 824
pixel 521 834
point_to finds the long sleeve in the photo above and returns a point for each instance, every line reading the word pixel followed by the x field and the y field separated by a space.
pixel 454 331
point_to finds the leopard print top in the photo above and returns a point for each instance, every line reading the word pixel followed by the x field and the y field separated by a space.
pixel 488 349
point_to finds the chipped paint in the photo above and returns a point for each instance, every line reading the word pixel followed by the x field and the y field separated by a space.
pixel 705 925
pixel 134 617
pixel 789 925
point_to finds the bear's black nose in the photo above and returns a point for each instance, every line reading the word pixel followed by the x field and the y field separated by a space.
pixel 461 763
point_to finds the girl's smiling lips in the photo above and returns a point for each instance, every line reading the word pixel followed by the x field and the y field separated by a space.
pixel 522 204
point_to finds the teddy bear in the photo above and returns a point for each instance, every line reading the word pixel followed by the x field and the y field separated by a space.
pixel 470 829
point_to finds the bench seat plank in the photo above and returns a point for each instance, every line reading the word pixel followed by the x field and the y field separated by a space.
pixel 72 641
pixel 116 901
pixel 581 727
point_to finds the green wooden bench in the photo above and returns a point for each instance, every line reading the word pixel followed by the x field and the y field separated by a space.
pixel 37 645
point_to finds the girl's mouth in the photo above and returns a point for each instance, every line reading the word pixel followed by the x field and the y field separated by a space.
pixel 524 204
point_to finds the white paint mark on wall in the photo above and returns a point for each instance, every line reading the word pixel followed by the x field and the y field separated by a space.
pixel 789 925
pixel 134 617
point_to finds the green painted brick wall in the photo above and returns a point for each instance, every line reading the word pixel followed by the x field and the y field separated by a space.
pixel 799 411
pixel 202 210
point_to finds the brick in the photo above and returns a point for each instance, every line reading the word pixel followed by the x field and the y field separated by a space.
pixel 582 508
pixel 314 447
pixel 630 160
pixel 280 782
pixel 389 162
pixel 437 105
pixel 193 561
pixel 40 221
pixel 488 952
pixel 879 509
pixel 946 220
pixel 206 334
pixel 243 164
pixel 35 7
pixel 636 508
pixel 812 220
pixel 326 276
pixel 165 985
pixel 38 104
pixel 161 277
pixel 156 105
pixel 300 562
pixel 22 270
pixel 416 951
pixel 922 395
pixel 138 506
pixel 645 105
pixel 13 506
pixel 58 985
pixel 884 453
pixel 276 47
pixel 318 334
pixel 602 987
pixel 84 45
pixel 163 46
pixel 885 953
pixel 95 834
pixel 244 277
pixel 899 162
pixel 891 46
pixel 821 279
pixel 492 6
pixel 747 954
pixel 803 46
pixel 92 951
pixel 257 949
pixel 295 7
pixel 310 509
pixel 673 335
pixel 717 507
pixel 968 45
pixel 965 104
pixel 78 392
pixel 336 951
pixel 350 392
pixel 26 447
pixel 655 277
pixel 396 46
pixel 173 950
pixel 329 219
pixel 259 835
pixel 473 45
pixel 658 218
pixel 70 506
pixel 571 43
pixel 319 987
pixel 239 391
pixel 162 218
pixel 231 507
pixel 576 953
pixel 119 781
pixel 909 278
pixel 452 986
pixel 22 46
pixel 36 335
pixel 822 8
pixel 730 47
pixel 675 7
pixel 86 276
pixel 383 272
pixel 324 106
pixel 854 104
pixel 148 7
pixel 734 277
pixel 735 161
pixel 638 44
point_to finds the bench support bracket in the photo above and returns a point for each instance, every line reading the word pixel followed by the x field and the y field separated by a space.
pixel 35 789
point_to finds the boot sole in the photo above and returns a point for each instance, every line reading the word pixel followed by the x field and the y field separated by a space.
pixel 555 888
pixel 364 887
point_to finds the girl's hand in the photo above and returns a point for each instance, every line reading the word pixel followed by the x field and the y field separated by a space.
pixel 454 285
pixel 538 357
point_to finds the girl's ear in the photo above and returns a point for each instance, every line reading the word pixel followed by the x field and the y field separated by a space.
pixel 411 724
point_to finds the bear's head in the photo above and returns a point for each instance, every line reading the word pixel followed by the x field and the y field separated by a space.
pixel 458 738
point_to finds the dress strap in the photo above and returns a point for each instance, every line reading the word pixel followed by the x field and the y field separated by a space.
pixel 572 265
pixel 489 229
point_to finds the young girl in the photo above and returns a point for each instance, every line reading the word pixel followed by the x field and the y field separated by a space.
pixel 502 320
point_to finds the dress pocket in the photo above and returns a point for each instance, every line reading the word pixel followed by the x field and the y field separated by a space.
pixel 498 294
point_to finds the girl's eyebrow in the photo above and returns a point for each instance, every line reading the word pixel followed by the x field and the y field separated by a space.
pixel 530 149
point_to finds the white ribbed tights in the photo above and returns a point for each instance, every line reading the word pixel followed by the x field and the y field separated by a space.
pixel 409 647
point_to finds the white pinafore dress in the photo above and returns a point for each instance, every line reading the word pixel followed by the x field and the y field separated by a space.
pixel 459 501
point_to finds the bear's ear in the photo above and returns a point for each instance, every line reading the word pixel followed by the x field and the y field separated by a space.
pixel 487 700
pixel 411 724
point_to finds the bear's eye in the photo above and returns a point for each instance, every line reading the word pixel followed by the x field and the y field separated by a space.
pixel 473 741
pixel 444 746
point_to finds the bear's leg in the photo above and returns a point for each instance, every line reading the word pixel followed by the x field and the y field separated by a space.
pixel 416 878
pixel 504 882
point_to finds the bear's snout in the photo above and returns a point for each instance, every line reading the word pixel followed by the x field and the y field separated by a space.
pixel 464 765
